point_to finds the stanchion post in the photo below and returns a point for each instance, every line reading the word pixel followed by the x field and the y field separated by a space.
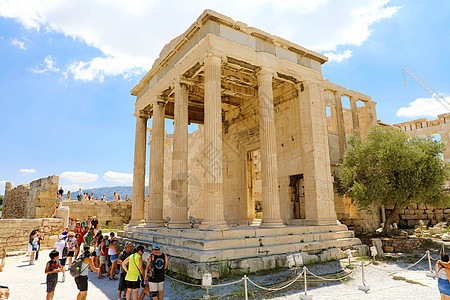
pixel 305 296
pixel 431 273
pixel 245 287
pixel 363 286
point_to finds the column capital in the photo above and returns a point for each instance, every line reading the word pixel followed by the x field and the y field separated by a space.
pixel 182 82
pixel 337 93
pixel 142 114
pixel 215 55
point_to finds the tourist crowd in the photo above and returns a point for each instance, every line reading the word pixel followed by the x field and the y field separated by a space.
pixel 86 196
pixel 82 245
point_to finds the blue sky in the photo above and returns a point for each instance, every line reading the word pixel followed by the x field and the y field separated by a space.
pixel 67 68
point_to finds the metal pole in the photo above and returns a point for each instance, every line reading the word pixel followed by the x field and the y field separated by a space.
pixel 429 261
pixel 245 287
pixel 363 277
pixel 304 276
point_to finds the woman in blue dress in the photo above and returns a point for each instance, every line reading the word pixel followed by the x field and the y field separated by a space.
pixel 443 275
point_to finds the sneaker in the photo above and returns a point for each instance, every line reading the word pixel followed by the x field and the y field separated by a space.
pixel 63 278
pixel 31 262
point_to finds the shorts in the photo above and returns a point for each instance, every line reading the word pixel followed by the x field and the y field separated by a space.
pixel 444 286
pixel 114 257
pixel 133 284
pixel 122 282
pixel 71 254
pixel 82 283
pixel 51 286
pixel 156 286
pixel 62 261
pixel 103 260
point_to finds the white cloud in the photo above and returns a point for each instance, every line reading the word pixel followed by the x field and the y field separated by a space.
pixel 118 177
pixel 18 43
pixel 48 65
pixel 336 56
pixel 79 176
pixel 71 187
pixel 131 35
pixel 27 171
pixel 423 107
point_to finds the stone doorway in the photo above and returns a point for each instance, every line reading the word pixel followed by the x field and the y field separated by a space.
pixel 297 189
pixel 254 187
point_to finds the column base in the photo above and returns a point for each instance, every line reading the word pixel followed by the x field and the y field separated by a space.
pixel 213 226
pixel 154 223
pixel 136 222
pixel 272 224
pixel 179 224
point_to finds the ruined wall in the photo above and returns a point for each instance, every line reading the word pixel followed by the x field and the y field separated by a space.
pixel 430 215
pixel 15 201
pixel 116 212
pixel 41 201
pixel 17 232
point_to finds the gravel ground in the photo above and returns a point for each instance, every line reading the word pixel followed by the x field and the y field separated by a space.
pixel 28 282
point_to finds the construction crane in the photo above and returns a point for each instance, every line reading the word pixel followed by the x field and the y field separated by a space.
pixel 427 88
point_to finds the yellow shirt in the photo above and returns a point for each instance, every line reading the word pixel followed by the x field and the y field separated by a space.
pixel 134 274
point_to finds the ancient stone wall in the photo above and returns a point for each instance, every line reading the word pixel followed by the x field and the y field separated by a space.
pixel 14 203
pixel 107 212
pixel 17 231
pixel 41 201
pixel 430 215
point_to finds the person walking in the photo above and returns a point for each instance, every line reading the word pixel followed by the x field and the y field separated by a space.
pixel 89 237
pixel 38 248
pixel 103 257
pixel 32 245
pixel 132 265
pixel 80 195
pixel 52 268
pixel 59 246
pixel 97 242
pixel 122 283
pixel 113 252
pixel 159 262
pixel 82 280
pixel 72 245
pixel 94 222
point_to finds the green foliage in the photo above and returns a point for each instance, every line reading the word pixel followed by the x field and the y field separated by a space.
pixel 224 268
pixel 388 168
pixel 1 200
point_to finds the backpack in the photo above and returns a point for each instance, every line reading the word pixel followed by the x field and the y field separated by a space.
pixel 75 268
pixel 65 250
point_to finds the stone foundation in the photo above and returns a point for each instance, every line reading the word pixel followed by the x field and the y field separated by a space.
pixel 243 248
pixel 17 232
pixel 400 245
pixel 14 203
pixel 110 213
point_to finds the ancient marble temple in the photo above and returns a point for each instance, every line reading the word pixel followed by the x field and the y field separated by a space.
pixel 251 93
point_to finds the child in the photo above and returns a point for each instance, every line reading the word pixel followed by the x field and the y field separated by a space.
pixel 52 269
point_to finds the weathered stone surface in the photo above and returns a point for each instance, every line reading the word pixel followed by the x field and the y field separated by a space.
pixel 107 212
pixel 379 245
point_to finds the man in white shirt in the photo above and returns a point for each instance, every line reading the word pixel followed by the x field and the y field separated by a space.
pixel 59 246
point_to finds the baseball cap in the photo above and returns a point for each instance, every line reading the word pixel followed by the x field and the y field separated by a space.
pixel 156 247
pixel 62 236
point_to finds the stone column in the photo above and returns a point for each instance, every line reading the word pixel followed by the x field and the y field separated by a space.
pixel 156 186
pixel 140 144
pixel 268 142
pixel 214 212
pixel 370 108
pixel 319 196
pixel 355 119
pixel 340 124
pixel 445 139
pixel 179 183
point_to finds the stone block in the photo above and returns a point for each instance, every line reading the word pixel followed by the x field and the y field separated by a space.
pixel 388 249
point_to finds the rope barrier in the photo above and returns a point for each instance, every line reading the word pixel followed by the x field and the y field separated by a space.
pixel 183 282
pixel 225 284
pixel 330 279
pixel 275 289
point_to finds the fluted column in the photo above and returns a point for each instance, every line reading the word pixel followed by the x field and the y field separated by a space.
pixel 137 207
pixel 370 108
pixel 268 141
pixel 214 212
pixel 340 124
pixel 445 139
pixel 179 182
pixel 156 186
pixel 355 119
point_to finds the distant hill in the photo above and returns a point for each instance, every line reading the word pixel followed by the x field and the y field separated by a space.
pixel 108 192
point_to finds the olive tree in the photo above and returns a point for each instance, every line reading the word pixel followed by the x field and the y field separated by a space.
pixel 388 168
